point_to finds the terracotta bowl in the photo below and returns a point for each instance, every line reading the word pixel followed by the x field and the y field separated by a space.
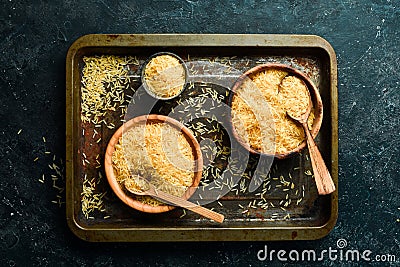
pixel 129 198
pixel 315 97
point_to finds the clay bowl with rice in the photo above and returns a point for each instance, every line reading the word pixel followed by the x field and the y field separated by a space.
pixel 159 149
pixel 281 88
pixel 164 75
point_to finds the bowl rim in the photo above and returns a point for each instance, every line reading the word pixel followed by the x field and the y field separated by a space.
pixel 143 80
pixel 315 97
pixel 116 188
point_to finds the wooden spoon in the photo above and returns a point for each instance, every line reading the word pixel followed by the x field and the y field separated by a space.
pixel 322 176
pixel 150 190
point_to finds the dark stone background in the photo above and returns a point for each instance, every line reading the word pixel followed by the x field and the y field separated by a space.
pixel 35 36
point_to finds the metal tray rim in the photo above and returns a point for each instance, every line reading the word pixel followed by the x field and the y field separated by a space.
pixel 203 233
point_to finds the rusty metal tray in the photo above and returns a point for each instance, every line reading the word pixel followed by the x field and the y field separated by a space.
pixel 288 208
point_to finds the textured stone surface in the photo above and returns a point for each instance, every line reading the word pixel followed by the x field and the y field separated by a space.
pixel 35 36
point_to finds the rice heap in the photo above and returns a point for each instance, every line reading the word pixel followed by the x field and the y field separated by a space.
pixel 293 96
pixel 283 93
pixel 159 152
pixel 164 76
pixel 104 80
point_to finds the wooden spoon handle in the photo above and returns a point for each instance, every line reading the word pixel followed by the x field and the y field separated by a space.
pixel 180 202
pixel 322 176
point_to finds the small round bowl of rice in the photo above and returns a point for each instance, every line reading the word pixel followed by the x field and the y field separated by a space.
pixel 159 149
pixel 164 75
pixel 259 103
